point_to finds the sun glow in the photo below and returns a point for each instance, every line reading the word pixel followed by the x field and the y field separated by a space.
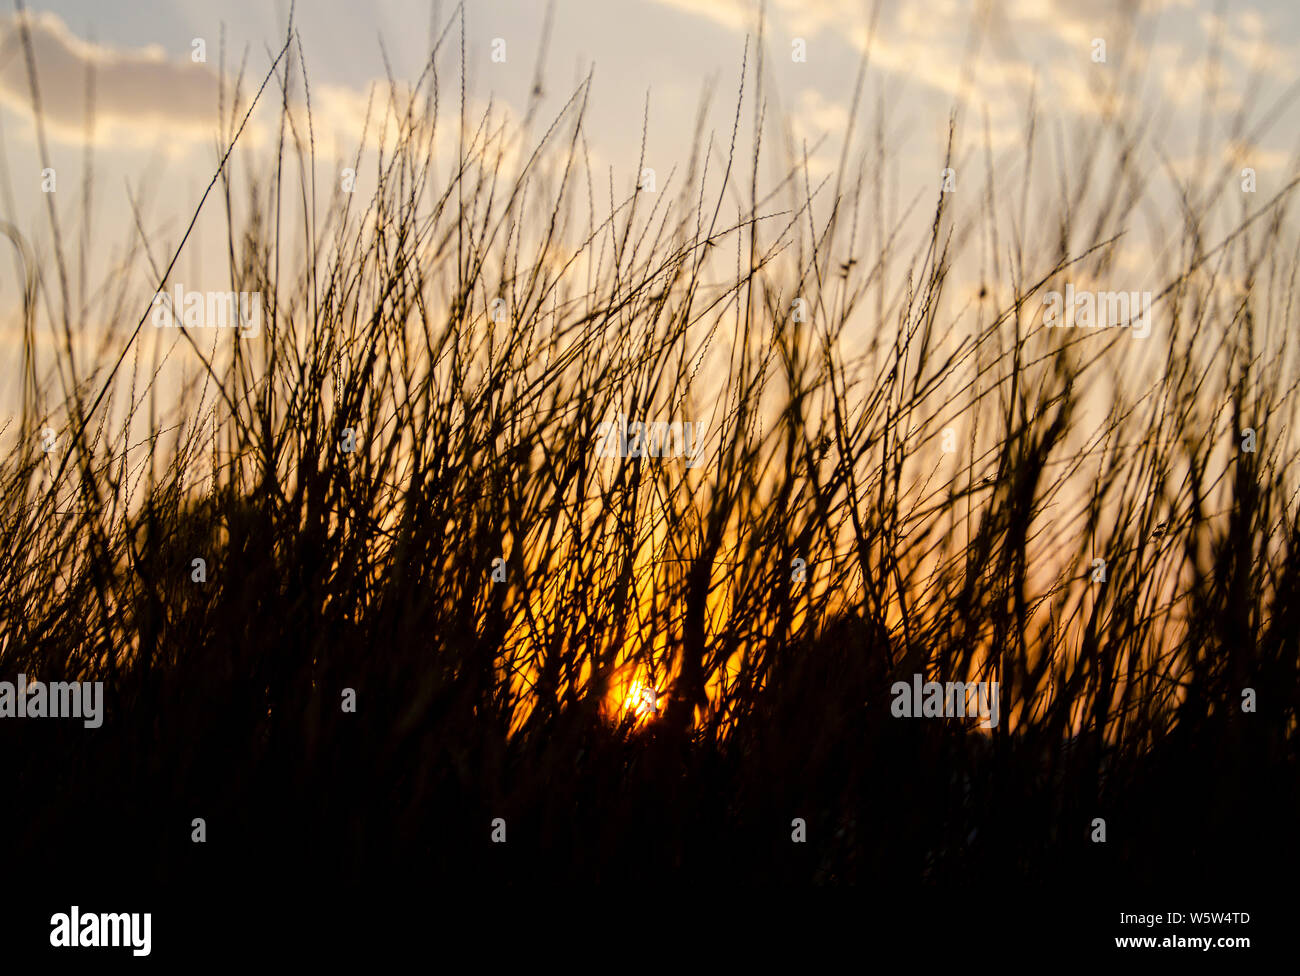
pixel 639 698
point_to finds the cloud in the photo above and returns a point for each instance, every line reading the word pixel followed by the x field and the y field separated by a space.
pixel 142 98
pixel 137 91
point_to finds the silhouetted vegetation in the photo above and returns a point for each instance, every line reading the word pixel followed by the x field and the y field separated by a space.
pixel 475 430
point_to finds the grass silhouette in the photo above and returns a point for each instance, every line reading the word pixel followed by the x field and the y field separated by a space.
pixel 475 428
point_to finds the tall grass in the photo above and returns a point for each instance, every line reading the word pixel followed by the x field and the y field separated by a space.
pixel 476 441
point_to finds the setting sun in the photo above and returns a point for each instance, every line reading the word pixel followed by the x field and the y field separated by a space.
pixel 639 699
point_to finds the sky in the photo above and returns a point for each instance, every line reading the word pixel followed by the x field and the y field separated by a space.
pixel 653 60
pixel 150 93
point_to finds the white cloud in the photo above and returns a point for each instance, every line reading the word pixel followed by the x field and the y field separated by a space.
pixel 133 91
